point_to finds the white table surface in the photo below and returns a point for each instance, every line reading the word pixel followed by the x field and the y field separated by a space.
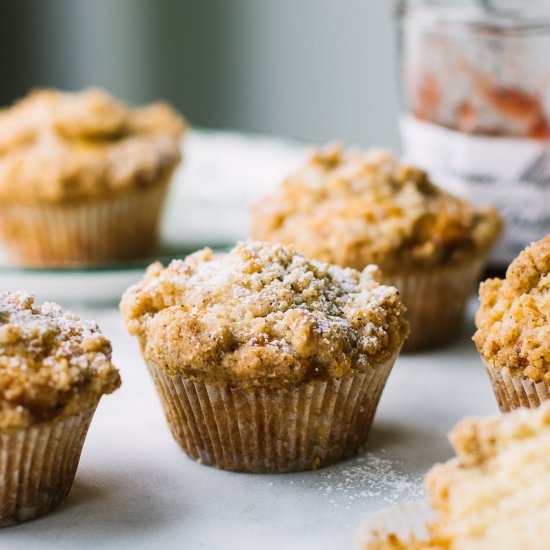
pixel 136 489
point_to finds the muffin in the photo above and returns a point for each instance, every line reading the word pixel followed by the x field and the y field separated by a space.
pixel 266 361
pixel 83 178
pixel 53 370
pixel 513 329
pixel 495 494
pixel 354 208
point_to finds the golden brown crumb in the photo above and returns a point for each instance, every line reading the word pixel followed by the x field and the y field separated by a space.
pixel 262 314
pixel 383 541
pixel 513 320
pixel 495 494
pixel 353 208
pixel 57 146
pixel 51 362
pixel 391 541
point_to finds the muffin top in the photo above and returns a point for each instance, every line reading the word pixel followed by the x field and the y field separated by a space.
pixel 57 146
pixel 513 320
pixel 496 492
pixel 354 208
pixel 51 363
pixel 263 315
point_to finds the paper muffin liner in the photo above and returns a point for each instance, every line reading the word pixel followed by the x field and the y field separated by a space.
pixel 407 521
pixel 264 430
pixel 436 301
pixel 38 466
pixel 514 392
pixel 88 232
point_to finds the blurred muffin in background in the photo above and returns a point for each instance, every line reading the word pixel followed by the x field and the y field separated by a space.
pixel 54 368
pixel 266 361
pixel 83 177
pixel 356 208
pixel 513 335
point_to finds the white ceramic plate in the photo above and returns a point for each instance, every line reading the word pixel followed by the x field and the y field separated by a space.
pixel 97 285
pixel 405 520
pixel 221 174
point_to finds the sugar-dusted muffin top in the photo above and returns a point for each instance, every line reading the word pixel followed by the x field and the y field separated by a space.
pixel 60 146
pixel 496 492
pixel 263 315
pixel 51 362
pixel 353 208
pixel 513 320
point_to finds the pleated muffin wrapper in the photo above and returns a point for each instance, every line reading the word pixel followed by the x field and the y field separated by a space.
pixel 38 465
pixel 124 226
pixel 408 521
pixel 436 301
pixel 514 392
pixel 268 430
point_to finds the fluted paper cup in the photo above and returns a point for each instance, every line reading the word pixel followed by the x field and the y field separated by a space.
pixel 98 231
pixel 436 301
pixel 407 522
pixel 265 430
pixel 38 466
pixel 514 392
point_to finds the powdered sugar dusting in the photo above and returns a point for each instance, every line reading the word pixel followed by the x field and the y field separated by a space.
pixel 46 357
pixel 368 476
pixel 265 311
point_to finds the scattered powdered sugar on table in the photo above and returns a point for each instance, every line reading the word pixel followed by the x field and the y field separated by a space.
pixel 369 476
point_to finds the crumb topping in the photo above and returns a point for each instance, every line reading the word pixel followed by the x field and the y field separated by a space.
pixel 391 541
pixel 495 493
pixel 478 441
pixel 59 146
pixel 513 320
pixel 51 362
pixel 263 314
pixel 354 208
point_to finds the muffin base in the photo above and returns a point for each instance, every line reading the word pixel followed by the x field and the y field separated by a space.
pixel 265 430
pixel 38 466
pixel 436 301
pixel 90 232
pixel 514 392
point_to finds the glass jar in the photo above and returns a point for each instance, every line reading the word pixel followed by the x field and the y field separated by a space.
pixel 476 95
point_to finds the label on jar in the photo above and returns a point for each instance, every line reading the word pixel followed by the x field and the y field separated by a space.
pixel 512 174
